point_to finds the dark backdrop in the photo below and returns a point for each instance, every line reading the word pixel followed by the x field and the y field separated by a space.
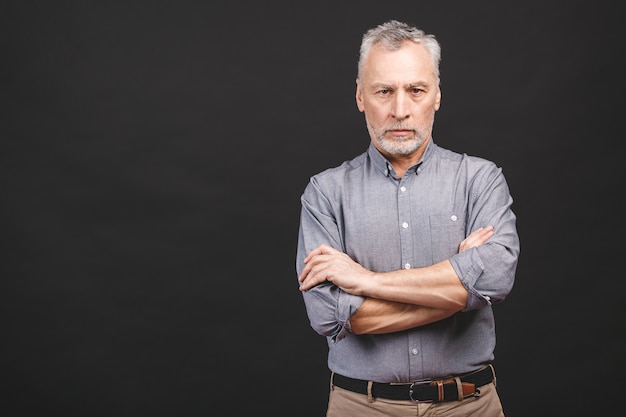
pixel 152 159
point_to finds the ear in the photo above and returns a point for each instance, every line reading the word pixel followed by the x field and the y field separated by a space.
pixel 438 98
pixel 359 96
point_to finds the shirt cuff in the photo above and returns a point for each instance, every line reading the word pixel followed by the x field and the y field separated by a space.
pixel 347 305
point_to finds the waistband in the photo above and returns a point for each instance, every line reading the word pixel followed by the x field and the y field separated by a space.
pixel 454 388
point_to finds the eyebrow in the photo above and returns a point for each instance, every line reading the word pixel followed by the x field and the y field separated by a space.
pixel 418 84
pixel 410 85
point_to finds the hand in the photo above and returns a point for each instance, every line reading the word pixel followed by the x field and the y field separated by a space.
pixel 328 264
pixel 325 263
pixel 476 238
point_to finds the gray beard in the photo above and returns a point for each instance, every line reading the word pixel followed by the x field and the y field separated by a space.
pixel 400 146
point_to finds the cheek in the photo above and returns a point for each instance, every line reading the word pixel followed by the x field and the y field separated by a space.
pixel 375 113
pixel 428 111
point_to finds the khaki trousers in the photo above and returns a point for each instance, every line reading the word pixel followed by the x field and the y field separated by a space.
pixel 344 403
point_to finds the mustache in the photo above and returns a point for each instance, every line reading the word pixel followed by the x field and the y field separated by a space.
pixel 400 126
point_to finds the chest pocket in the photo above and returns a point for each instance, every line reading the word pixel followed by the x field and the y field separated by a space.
pixel 447 230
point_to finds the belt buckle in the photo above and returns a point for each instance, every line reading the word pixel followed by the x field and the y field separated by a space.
pixel 414 385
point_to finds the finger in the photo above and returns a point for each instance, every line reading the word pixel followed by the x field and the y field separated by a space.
pixel 471 239
pixel 476 238
pixel 487 229
pixel 311 255
pixel 485 234
pixel 308 266
pixel 316 263
pixel 480 236
pixel 312 278
pixel 320 250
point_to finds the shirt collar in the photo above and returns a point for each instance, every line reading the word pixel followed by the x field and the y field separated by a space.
pixel 384 166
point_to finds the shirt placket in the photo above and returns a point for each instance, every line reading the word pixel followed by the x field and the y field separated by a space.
pixel 408 259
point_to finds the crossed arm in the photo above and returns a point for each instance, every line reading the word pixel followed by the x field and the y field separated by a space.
pixel 395 300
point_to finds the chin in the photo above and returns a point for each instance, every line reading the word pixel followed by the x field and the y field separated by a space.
pixel 400 146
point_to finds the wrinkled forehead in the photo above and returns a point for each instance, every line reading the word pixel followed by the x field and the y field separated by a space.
pixel 408 64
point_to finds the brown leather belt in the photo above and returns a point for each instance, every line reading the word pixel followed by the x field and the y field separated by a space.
pixel 447 389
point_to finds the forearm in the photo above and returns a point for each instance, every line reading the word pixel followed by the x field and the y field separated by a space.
pixel 436 286
pixel 377 316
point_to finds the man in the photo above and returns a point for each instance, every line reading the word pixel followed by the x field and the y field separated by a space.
pixel 403 250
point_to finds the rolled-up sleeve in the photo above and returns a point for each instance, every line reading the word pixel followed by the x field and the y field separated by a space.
pixel 328 307
pixel 488 271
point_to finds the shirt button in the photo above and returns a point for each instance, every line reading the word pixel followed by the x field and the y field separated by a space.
pixel 403 188
pixel 407 266
pixel 453 218
pixel 405 225
pixel 415 351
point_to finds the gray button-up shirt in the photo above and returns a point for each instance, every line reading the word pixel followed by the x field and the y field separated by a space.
pixel 387 223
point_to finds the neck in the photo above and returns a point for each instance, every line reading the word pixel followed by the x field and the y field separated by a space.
pixel 401 163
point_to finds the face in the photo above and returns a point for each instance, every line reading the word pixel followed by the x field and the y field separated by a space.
pixel 399 94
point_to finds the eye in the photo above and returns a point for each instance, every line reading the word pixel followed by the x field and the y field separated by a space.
pixel 384 92
pixel 417 90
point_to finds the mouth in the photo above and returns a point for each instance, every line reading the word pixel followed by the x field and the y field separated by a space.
pixel 401 133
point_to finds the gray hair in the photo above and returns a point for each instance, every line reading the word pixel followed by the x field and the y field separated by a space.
pixel 391 34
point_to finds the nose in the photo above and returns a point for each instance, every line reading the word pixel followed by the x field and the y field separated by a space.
pixel 400 106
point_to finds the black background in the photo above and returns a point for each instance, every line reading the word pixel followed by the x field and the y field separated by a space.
pixel 152 159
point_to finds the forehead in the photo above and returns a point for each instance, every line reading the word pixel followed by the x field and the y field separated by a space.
pixel 409 64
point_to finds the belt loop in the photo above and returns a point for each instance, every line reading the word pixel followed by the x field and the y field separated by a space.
pixel 332 379
pixel 370 397
pixel 459 388
pixel 493 371
pixel 439 389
